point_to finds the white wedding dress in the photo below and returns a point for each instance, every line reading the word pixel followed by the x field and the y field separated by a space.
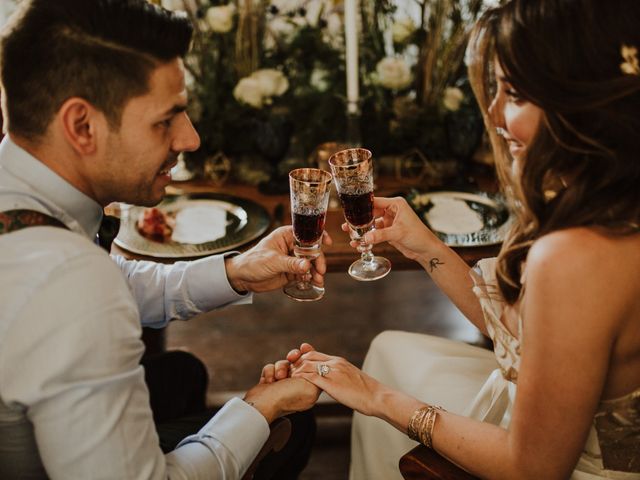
pixel 480 384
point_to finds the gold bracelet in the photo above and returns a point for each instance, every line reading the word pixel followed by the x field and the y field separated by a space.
pixel 430 426
pixel 414 423
pixel 422 423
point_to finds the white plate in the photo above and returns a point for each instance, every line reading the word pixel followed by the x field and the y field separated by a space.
pixel 488 215
pixel 246 221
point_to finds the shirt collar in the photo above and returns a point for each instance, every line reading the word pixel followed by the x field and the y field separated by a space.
pixel 66 201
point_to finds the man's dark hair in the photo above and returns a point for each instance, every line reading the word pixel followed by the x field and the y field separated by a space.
pixel 101 50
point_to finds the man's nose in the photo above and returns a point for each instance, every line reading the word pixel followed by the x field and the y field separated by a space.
pixel 186 138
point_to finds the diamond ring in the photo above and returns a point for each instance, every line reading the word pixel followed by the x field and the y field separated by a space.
pixel 323 369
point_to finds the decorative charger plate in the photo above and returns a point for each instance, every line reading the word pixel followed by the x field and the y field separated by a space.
pixel 462 219
pixel 246 221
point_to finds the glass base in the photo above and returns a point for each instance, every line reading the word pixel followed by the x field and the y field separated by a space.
pixel 303 292
pixel 378 268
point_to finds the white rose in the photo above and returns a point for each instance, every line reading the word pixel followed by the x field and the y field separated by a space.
pixel 285 6
pixel 272 82
pixel 173 4
pixel 313 12
pixel 334 34
pixel 452 98
pixel 220 18
pixel 248 91
pixel 282 28
pixel 319 79
pixel 402 29
pixel 393 73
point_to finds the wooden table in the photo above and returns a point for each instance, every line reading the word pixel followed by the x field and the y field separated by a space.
pixel 340 255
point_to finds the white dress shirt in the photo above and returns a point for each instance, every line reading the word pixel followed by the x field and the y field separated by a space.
pixel 72 393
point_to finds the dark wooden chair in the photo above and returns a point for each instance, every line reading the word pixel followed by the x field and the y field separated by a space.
pixel 278 438
pixel 423 463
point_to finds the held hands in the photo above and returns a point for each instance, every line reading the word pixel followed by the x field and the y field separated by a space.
pixel 274 398
pixel 398 224
pixel 344 382
pixel 282 398
pixel 269 266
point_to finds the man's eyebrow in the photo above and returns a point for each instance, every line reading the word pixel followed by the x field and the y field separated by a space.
pixel 176 109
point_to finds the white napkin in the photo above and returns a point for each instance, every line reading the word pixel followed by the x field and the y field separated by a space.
pixel 452 215
pixel 200 224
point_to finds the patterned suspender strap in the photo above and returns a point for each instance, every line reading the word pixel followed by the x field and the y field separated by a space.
pixel 13 220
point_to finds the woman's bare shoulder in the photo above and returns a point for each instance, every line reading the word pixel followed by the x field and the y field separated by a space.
pixel 586 248
pixel 584 262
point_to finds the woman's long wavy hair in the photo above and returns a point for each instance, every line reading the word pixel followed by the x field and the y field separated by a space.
pixel 582 168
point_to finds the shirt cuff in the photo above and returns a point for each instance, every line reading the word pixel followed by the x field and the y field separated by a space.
pixel 239 427
pixel 211 288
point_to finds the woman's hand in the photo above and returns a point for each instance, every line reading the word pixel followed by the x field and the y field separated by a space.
pixel 344 382
pixel 398 224
pixel 281 369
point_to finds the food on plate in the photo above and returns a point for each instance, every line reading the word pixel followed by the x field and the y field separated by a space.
pixel 155 225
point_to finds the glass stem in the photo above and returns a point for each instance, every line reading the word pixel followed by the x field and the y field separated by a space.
pixel 305 281
pixel 366 255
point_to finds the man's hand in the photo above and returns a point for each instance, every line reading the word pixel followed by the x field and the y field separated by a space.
pixel 269 265
pixel 281 398
pixel 280 370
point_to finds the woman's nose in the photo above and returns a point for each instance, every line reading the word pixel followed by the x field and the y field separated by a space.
pixel 495 112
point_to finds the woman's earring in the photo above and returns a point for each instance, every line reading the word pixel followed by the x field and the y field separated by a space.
pixel 501 131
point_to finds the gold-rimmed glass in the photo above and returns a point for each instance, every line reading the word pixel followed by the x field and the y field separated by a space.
pixel 353 174
pixel 309 191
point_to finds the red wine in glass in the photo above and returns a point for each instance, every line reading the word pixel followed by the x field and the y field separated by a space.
pixel 353 173
pixel 308 227
pixel 358 208
pixel 309 191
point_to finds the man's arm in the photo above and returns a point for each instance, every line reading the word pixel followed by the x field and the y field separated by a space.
pixel 179 291
pixel 75 366
pixel 185 289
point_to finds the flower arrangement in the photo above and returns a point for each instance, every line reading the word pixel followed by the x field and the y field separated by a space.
pixel 267 77
pixel 417 93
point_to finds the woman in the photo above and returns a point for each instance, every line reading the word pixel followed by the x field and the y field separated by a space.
pixel 562 300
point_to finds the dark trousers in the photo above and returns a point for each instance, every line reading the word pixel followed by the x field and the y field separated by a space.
pixel 177 383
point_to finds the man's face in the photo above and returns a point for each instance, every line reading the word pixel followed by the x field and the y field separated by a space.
pixel 154 129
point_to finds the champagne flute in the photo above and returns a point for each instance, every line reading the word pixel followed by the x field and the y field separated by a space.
pixel 353 173
pixel 309 189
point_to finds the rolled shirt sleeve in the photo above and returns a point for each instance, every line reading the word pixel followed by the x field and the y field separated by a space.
pixel 181 290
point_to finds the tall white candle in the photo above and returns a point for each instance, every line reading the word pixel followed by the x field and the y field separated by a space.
pixel 351 41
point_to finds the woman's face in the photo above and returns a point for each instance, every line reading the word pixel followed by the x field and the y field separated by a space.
pixel 518 118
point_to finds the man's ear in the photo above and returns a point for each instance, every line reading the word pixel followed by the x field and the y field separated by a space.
pixel 81 124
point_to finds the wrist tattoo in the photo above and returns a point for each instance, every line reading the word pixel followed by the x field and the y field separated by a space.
pixel 434 263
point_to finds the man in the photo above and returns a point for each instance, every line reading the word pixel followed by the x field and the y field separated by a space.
pixel 94 103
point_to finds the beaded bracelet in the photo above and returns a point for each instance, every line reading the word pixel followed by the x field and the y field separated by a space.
pixel 422 423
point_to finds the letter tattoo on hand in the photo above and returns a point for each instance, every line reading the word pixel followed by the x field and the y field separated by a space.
pixel 434 263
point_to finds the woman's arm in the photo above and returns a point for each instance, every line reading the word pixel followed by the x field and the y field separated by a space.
pixel 398 224
pixel 571 310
